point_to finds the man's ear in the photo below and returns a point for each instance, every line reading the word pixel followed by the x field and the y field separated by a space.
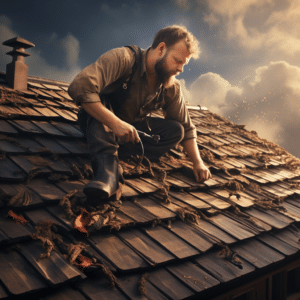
pixel 161 49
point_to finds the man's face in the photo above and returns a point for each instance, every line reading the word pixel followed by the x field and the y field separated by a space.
pixel 172 63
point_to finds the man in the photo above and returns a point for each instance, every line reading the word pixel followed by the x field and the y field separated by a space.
pixel 113 132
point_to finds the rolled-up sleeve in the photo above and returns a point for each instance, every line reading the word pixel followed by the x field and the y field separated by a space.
pixel 175 109
pixel 92 80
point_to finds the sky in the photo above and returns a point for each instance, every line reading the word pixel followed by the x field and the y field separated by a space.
pixel 248 70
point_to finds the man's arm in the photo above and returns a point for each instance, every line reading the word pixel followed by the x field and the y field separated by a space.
pixel 121 129
pixel 201 172
pixel 176 110
pixel 93 79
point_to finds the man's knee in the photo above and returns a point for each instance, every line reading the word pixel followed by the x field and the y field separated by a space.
pixel 100 138
pixel 177 131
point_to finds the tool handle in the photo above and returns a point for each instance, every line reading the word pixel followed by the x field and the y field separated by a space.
pixel 156 138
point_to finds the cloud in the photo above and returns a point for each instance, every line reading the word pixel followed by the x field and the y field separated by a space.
pixel 267 103
pixel 38 66
pixel 210 90
pixel 257 24
pixel 71 47
pixel 6 34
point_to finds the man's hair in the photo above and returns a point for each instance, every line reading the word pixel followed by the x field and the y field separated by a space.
pixel 173 34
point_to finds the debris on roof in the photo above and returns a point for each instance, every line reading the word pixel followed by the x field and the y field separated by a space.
pixel 169 236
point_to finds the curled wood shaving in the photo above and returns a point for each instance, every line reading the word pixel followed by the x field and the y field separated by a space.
pixel 163 193
pixel 142 284
pixel 292 163
pixel 83 221
pixel 163 190
pixel 19 219
pixel 207 155
pixel 234 186
pixel 231 256
pixel 155 222
pixel 109 275
pixel 187 216
pixel 54 177
pixel 83 262
pixel 45 234
pixel 74 251
pixel 23 197
pixel 255 188
pixel 150 170
pixel 115 222
pixel 241 179
pixel 33 172
pixel 203 216
pixel 174 160
pixel 213 144
pixel 86 219
pixel 48 246
pixel 76 171
pixel 269 204
pixel 66 204
pixel 252 136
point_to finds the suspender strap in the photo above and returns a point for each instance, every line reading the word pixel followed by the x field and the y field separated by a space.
pixel 138 53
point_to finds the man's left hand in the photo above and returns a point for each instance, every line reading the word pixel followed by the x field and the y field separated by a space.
pixel 201 172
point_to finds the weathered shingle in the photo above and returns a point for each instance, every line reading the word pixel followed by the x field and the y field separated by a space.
pixel 171 237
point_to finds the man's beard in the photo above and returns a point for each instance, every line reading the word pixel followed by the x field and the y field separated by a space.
pixel 163 76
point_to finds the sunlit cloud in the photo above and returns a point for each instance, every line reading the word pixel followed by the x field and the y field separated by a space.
pixel 267 103
pixel 257 24
pixel 210 90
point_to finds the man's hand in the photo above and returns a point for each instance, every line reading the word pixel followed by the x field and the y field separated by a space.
pixel 201 172
pixel 126 132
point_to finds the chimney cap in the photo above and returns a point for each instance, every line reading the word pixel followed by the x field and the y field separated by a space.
pixel 18 52
pixel 18 42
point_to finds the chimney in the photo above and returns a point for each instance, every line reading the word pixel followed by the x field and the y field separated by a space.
pixel 17 70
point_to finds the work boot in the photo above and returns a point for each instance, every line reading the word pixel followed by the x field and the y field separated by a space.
pixel 107 174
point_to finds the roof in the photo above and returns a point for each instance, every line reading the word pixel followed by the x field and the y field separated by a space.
pixel 172 238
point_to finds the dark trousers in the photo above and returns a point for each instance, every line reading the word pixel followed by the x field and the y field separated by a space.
pixel 102 140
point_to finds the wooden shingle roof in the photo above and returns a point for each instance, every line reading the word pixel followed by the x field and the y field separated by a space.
pixel 171 238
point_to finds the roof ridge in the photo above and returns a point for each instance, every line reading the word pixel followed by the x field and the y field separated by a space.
pixel 40 79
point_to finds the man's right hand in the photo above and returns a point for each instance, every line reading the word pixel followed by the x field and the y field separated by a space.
pixel 126 132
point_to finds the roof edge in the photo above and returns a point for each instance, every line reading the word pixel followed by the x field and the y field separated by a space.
pixel 196 107
pixel 40 80
pixel 65 83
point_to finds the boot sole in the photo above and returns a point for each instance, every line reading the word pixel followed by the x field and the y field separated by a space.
pixel 95 192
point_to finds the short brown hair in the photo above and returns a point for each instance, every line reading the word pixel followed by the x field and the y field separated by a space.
pixel 173 34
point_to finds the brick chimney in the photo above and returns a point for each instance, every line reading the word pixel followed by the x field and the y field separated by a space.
pixel 17 70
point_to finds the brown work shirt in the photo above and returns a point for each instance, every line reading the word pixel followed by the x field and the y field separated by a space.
pixel 111 70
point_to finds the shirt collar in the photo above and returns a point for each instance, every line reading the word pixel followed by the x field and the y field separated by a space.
pixel 144 61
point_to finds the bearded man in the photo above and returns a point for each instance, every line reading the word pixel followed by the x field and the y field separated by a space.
pixel 118 92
